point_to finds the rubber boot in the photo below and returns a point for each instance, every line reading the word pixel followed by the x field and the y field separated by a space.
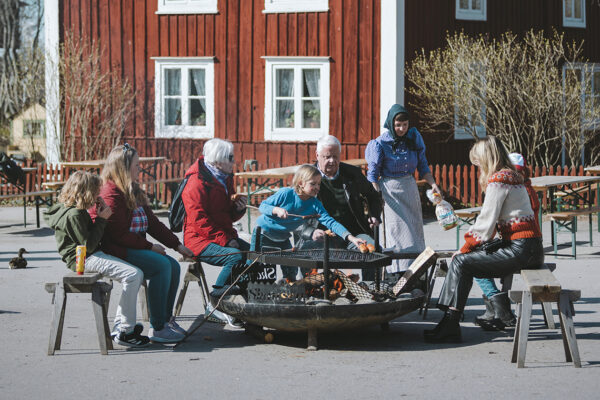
pixel 503 316
pixel 489 312
pixel 448 330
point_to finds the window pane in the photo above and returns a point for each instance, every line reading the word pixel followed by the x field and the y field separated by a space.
pixel 577 12
pixel 477 5
pixel 596 83
pixel 172 82
pixel 311 82
pixel 172 111
pixel 284 114
pixel 197 81
pixel 284 82
pixel 464 4
pixel 33 128
pixel 198 112
pixel 568 8
pixel 312 114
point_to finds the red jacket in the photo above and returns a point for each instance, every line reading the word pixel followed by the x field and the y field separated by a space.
pixel 209 211
pixel 117 237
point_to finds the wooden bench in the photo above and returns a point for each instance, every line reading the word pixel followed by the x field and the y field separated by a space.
pixel 54 185
pixel 195 273
pixel 40 198
pixel 86 283
pixel 568 220
pixel 543 287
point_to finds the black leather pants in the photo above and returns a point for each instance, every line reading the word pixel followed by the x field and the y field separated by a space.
pixel 516 255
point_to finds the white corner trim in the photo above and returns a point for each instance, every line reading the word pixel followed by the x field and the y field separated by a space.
pixel 391 57
pixel 52 81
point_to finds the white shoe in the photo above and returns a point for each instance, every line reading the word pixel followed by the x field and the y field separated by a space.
pixel 165 335
pixel 175 326
pixel 222 318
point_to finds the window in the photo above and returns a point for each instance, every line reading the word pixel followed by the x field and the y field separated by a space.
pixel 574 13
pixel 469 108
pixel 34 128
pixel 184 97
pixel 289 6
pixel 187 7
pixel 296 98
pixel 471 10
pixel 589 74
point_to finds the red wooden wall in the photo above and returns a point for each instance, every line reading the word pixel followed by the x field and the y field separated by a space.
pixel 238 36
pixel 429 21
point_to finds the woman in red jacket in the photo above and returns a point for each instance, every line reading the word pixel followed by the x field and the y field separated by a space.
pixel 211 208
pixel 125 237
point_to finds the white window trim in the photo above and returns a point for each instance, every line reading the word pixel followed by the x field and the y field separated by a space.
pixel 460 132
pixel 187 7
pixel 472 15
pixel 589 68
pixel 188 132
pixel 573 22
pixel 292 6
pixel 296 134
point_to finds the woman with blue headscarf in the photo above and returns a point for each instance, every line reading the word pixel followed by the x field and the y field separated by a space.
pixel 392 159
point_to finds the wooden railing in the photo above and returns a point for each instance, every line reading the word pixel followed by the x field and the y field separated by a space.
pixel 458 182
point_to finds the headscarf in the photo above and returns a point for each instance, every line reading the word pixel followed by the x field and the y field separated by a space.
pixel 409 138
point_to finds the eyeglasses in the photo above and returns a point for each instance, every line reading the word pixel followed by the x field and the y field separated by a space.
pixel 230 158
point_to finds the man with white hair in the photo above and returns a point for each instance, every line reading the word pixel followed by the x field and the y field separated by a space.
pixel 344 193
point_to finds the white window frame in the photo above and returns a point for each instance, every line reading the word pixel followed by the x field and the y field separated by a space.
pixel 187 7
pixel 291 6
pixel 471 14
pixel 584 68
pixel 184 131
pixel 296 134
pixel 460 132
pixel 573 22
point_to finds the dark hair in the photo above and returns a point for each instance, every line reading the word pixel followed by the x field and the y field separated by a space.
pixel 401 117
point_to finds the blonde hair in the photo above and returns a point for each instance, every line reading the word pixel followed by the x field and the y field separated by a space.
pixel 491 156
pixel 80 190
pixel 304 173
pixel 116 169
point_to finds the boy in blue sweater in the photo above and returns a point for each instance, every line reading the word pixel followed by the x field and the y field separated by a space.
pixel 300 199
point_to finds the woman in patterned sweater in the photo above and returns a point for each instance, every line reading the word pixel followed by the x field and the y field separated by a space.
pixel 507 211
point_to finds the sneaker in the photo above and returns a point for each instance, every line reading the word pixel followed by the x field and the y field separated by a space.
pixel 165 335
pixel 131 339
pixel 222 318
pixel 175 326
pixel 137 329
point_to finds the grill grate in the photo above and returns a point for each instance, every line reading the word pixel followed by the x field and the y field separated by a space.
pixel 338 258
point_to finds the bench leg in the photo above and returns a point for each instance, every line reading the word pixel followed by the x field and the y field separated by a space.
pixel 430 286
pixel 181 297
pixel 568 330
pixel 513 358
pixel 58 319
pixel 203 285
pixel 312 339
pixel 548 317
pixel 143 300
pixel 524 317
pixel 574 238
pixel 554 239
pixel 591 229
pixel 101 321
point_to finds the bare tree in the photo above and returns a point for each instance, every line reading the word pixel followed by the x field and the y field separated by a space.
pixel 96 104
pixel 527 91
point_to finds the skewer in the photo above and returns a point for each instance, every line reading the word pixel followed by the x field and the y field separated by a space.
pixel 295 215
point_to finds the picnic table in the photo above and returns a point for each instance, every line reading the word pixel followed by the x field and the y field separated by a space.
pixel 268 181
pixel 594 170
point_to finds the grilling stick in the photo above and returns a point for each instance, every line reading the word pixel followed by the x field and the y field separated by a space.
pixel 295 215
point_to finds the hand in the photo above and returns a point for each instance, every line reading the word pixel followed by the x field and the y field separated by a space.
pixel 454 255
pixel 318 235
pixel 357 242
pixel 184 251
pixel 240 203
pixel 280 212
pixel 157 248
pixel 233 243
pixel 436 189
pixel 373 222
pixel 102 210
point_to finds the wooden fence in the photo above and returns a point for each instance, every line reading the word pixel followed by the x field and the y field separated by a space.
pixel 458 182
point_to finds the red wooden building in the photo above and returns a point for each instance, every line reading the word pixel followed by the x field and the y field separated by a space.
pixel 274 75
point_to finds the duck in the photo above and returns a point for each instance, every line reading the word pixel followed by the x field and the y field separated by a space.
pixel 19 261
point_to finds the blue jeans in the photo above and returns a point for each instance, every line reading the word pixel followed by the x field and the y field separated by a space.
pixel 488 286
pixel 287 272
pixel 163 275
pixel 227 257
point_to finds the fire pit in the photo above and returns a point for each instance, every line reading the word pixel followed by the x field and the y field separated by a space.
pixel 292 308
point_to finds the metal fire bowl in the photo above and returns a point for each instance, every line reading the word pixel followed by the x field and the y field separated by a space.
pixel 301 318
pixel 338 258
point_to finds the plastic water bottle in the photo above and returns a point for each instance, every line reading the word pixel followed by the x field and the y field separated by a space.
pixel 443 210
